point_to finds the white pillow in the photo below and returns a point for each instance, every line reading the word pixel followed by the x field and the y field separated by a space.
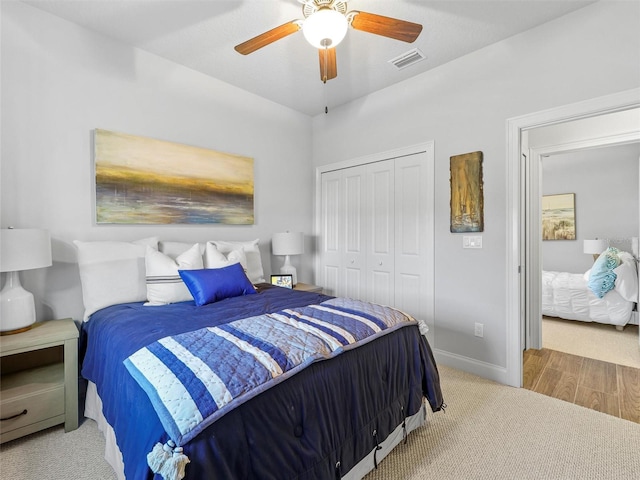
pixel 214 258
pixel 255 271
pixel 164 284
pixel 627 277
pixel 174 249
pixel 112 272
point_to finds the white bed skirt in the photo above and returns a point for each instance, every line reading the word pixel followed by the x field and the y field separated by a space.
pixel 113 456
pixel 93 410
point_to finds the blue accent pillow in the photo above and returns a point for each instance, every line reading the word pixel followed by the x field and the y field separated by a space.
pixel 602 278
pixel 214 284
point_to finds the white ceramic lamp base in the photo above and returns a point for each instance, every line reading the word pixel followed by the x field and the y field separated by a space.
pixel 17 307
pixel 288 269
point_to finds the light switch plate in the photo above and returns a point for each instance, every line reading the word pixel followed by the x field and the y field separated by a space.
pixel 473 241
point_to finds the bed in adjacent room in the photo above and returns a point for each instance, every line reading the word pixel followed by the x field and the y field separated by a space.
pixel 242 379
pixel 607 293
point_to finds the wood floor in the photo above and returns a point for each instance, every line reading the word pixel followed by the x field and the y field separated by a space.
pixel 602 386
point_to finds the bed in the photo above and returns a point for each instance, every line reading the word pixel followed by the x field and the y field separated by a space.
pixel 333 415
pixel 607 293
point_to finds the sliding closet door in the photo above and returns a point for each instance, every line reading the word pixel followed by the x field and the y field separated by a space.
pixel 412 235
pixel 342 239
pixel 380 218
pixel 376 232
pixel 332 233
pixel 355 279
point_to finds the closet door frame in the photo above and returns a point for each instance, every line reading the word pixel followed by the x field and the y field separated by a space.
pixel 426 148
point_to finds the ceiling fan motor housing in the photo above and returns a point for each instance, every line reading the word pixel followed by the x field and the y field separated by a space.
pixel 309 7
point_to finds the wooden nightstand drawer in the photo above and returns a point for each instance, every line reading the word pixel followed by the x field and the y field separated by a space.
pixel 39 374
pixel 40 393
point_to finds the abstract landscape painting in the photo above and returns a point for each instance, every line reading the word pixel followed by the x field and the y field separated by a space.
pixel 141 180
pixel 558 217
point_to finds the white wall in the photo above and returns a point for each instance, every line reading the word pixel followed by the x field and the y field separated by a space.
pixel 60 81
pixel 605 183
pixel 463 106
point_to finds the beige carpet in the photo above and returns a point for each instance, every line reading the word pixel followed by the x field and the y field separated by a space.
pixel 592 340
pixel 54 455
pixel 488 432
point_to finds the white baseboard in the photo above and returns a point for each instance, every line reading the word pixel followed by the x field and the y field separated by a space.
pixel 471 365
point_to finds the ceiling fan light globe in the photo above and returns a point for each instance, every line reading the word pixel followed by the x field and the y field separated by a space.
pixel 325 28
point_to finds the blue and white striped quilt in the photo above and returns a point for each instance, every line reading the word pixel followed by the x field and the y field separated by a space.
pixel 194 378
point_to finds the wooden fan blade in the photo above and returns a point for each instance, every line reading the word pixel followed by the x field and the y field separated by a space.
pixel 386 26
pixel 328 65
pixel 266 38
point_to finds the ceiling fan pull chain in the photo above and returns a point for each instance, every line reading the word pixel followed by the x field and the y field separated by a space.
pixel 324 79
pixel 326 43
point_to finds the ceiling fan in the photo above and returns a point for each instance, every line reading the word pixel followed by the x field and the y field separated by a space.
pixel 324 26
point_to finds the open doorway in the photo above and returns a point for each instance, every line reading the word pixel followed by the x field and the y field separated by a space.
pixel 522 252
pixel 603 184
pixel 556 373
pixel 586 156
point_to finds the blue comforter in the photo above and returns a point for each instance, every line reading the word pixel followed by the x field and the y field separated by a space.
pixel 321 416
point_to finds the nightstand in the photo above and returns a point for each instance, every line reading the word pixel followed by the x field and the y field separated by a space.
pixel 39 385
pixel 306 287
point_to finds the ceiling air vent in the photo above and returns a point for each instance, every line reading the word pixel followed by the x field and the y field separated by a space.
pixel 407 58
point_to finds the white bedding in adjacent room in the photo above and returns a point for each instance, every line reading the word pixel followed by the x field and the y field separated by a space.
pixel 606 293
pixel 566 295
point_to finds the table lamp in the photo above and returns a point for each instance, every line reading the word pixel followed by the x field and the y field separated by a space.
pixel 288 243
pixel 595 247
pixel 20 249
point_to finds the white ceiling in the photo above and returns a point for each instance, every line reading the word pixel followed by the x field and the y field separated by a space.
pixel 201 34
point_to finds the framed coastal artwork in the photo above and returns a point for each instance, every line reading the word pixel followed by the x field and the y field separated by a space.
pixel 140 180
pixel 559 217
pixel 467 196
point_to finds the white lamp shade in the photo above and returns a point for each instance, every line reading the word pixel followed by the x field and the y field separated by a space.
pixel 596 246
pixel 325 28
pixel 24 249
pixel 288 243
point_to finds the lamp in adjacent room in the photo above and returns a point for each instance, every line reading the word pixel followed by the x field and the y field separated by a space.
pixel 595 247
pixel 20 249
pixel 288 243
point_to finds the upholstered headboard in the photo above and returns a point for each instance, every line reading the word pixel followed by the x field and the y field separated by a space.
pixel 629 244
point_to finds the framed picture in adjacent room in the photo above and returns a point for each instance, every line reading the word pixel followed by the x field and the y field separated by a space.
pixel 559 217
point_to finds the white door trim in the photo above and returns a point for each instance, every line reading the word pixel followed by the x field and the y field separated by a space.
pixel 516 185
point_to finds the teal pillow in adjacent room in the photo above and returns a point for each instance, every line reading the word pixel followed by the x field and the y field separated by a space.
pixel 603 278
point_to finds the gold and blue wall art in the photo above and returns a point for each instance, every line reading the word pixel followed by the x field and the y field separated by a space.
pixel 141 180
pixel 467 193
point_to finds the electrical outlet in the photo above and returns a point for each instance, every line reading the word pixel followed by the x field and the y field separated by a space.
pixel 479 330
